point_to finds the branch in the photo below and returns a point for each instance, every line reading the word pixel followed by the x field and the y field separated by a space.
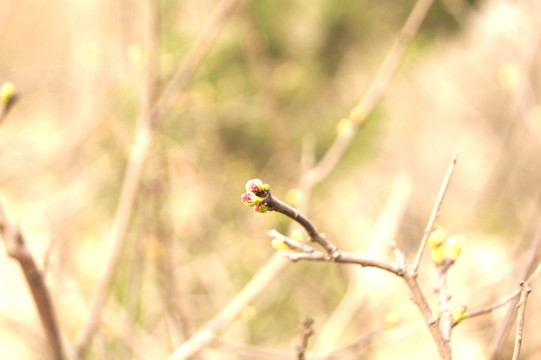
pixel 446 317
pixel 17 249
pixel 520 318
pixel 529 266
pixel 511 297
pixel 275 204
pixel 304 334
pixel 434 215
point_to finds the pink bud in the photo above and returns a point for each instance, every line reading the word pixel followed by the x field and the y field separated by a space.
pixel 250 199
pixel 261 208
pixel 254 185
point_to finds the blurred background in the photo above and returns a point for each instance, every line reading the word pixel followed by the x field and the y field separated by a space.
pixel 280 76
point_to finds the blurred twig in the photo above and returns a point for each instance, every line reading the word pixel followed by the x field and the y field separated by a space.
pixel 17 249
pixel 373 95
pixel 348 351
pixel 520 318
pixel 304 334
pixel 527 270
pixel 150 113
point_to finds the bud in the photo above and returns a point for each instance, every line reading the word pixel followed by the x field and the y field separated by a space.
pixel 261 208
pixel 7 93
pixel 453 247
pixel 460 313
pixel 436 238
pixel 250 199
pixel 279 244
pixel 296 235
pixel 358 114
pixel 438 255
pixel 256 186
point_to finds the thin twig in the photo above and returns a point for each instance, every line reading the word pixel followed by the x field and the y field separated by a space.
pixel 434 215
pixel 350 350
pixel 304 334
pixel 520 318
pixel 511 297
pixel 529 265
pixel 17 249
pixel 294 245
pixel 275 204
pixel 446 318
pixel 348 258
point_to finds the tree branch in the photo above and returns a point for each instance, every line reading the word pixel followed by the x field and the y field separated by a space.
pixel 17 249
pixel 434 215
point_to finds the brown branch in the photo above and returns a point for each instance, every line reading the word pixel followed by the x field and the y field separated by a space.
pixel 520 318
pixel 17 249
pixel 304 334
pixel 348 258
pixel 446 317
pixel 275 204
pixel 440 335
pixel 418 297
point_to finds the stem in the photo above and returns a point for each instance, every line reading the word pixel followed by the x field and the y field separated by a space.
pixel 435 214
pixel 17 249
pixel 520 318
pixel 276 205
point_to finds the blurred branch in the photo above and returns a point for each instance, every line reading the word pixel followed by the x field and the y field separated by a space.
pixel 304 334
pixel 373 96
pixel 527 270
pixel 446 317
pixel 512 297
pixel 197 54
pixel 434 215
pixel 150 113
pixel 17 249
pixel 348 351
pixel 520 318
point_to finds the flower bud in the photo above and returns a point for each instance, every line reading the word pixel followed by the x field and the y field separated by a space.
pixel 460 313
pixel 7 93
pixel 261 208
pixel 358 114
pixel 256 186
pixel 453 247
pixel 296 235
pixel 250 199
pixel 436 238
pixel 279 244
